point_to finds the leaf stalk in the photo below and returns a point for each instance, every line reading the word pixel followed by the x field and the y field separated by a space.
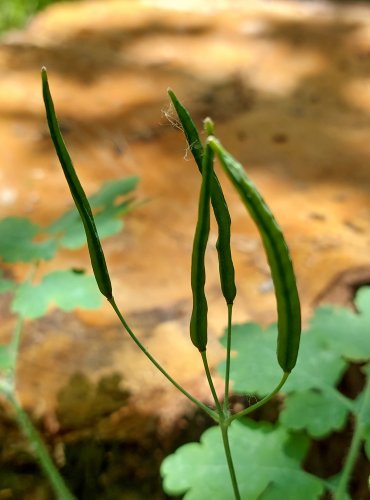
pixel 354 449
pixel 200 405
pixel 228 353
pixel 260 403
pixel 57 482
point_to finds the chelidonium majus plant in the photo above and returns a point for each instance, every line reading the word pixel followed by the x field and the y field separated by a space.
pixel 211 199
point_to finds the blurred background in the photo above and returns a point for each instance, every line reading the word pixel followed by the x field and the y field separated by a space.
pixel 288 86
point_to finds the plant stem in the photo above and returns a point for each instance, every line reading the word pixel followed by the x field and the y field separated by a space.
pixel 261 402
pixel 200 405
pixel 228 349
pixel 211 385
pixel 357 438
pixel 224 424
pixel 16 337
pixel 225 439
pixel 14 347
pixel 57 482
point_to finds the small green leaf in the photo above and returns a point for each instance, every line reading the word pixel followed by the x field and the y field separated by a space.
pixel 64 289
pixel 267 461
pixel 317 412
pixel 17 242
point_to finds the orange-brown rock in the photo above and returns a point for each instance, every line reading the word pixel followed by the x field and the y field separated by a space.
pixel 288 86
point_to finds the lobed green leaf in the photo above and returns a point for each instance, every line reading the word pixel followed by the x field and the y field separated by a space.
pixel 312 403
pixel 317 412
pixel 18 241
pixel 267 461
pixel 66 290
pixel 254 369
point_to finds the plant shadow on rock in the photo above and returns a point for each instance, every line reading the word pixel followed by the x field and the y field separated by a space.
pixel 115 468
pixel 82 404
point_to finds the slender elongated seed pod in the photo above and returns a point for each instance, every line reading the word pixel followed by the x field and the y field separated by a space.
pixel 95 249
pixel 222 215
pixel 198 322
pixel 190 130
pixel 288 305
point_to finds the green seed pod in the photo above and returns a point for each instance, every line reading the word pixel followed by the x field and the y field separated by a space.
pixel 198 322
pixel 223 245
pixel 288 306
pixel 222 215
pixel 190 130
pixel 95 249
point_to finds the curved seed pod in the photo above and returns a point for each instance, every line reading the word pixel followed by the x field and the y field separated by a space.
pixel 96 252
pixel 223 245
pixel 190 130
pixel 198 322
pixel 288 306
pixel 222 215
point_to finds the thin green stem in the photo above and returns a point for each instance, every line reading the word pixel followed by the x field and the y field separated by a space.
pixel 260 403
pixel 223 422
pixel 354 449
pixel 348 403
pixel 200 405
pixel 57 482
pixel 211 384
pixel 14 348
pixel 229 459
pixel 228 351
pixel 16 337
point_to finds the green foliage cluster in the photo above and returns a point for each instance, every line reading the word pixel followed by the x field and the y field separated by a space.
pixel 24 241
pixel 15 13
pixel 269 457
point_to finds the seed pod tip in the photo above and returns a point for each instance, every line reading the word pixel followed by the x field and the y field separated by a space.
pixel 209 126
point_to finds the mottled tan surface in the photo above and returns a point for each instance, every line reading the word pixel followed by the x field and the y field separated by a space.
pixel 288 85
